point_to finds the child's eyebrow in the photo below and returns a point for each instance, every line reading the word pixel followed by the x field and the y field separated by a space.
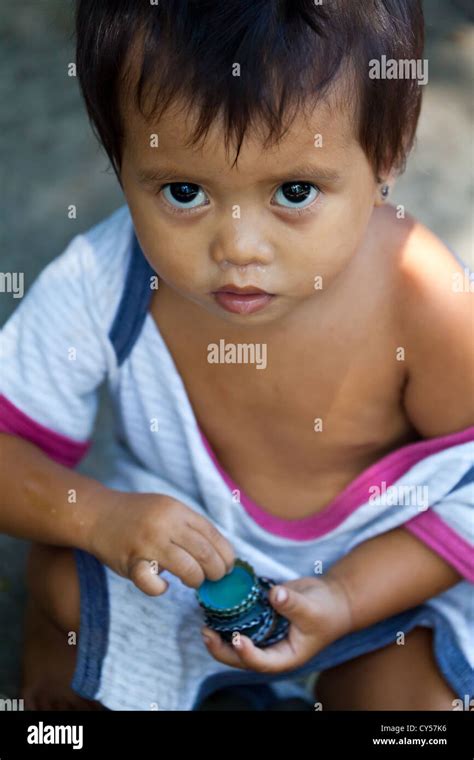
pixel 155 175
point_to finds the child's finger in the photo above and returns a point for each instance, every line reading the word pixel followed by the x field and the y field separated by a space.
pixel 205 554
pixel 144 575
pixel 215 537
pixel 293 605
pixel 181 563
pixel 243 653
pixel 274 659
pixel 220 649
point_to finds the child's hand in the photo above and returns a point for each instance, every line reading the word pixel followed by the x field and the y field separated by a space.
pixel 139 535
pixel 319 613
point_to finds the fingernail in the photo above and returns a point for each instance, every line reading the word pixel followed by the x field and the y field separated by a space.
pixel 281 596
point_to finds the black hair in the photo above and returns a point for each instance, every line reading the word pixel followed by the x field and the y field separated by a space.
pixel 290 52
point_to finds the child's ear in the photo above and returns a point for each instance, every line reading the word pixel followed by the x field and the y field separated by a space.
pixel 382 194
pixel 384 187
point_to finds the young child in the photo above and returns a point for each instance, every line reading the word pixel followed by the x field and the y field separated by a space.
pixel 290 362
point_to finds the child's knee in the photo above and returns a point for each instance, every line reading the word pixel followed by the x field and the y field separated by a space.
pixel 53 582
pixel 391 678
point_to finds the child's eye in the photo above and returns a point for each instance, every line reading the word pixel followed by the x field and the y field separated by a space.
pixel 184 195
pixel 296 194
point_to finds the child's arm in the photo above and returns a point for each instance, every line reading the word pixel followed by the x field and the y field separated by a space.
pixel 389 574
pixel 435 326
pixel 55 354
pixel 44 501
pixel 136 535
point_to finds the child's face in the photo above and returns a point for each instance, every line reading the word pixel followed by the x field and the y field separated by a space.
pixel 214 227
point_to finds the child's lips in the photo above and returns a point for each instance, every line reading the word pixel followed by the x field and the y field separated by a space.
pixel 242 300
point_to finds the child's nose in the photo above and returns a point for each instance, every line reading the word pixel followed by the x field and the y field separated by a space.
pixel 242 250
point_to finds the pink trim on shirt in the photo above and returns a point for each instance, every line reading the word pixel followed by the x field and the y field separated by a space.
pixel 59 447
pixel 388 469
pixel 434 532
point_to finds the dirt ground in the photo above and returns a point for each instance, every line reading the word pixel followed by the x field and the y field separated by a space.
pixel 49 159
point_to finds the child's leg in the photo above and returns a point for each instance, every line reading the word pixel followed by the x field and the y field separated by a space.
pixel 52 613
pixel 396 677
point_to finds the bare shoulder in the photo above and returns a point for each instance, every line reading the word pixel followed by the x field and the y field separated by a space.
pixel 434 320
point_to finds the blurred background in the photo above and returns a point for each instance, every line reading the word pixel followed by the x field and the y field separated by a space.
pixel 49 160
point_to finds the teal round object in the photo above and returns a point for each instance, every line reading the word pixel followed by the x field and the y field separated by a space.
pixel 229 592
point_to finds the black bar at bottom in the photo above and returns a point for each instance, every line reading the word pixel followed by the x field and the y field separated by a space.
pixel 137 734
